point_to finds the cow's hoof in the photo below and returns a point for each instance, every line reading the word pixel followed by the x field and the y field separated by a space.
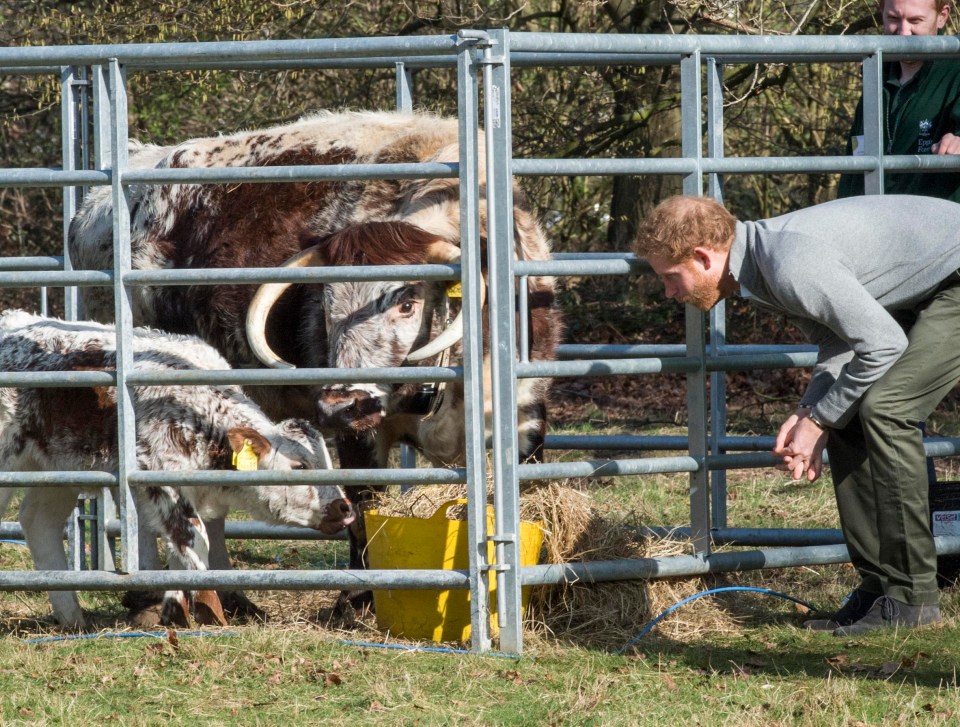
pixel 238 607
pixel 144 608
pixel 333 618
pixel 348 609
pixel 207 609
pixel 175 612
pixel 356 603
pixel 139 600
pixel 361 601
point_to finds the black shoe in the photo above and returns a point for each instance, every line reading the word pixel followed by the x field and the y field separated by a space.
pixel 853 609
pixel 889 613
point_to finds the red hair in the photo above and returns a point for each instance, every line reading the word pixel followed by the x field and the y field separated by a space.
pixel 679 224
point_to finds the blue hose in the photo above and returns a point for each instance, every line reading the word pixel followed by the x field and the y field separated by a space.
pixel 432 649
pixel 710 592
pixel 125 635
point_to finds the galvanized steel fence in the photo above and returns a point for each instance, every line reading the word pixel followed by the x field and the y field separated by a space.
pixel 483 62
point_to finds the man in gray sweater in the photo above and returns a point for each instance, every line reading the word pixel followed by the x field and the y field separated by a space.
pixel 873 282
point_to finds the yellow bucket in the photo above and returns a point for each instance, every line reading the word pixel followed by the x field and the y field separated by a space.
pixel 434 543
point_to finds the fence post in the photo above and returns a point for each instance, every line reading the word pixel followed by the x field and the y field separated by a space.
pixel 126 421
pixel 475 445
pixel 691 122
pixel 408 455
pixel 502 286
pixel 102 159
pixel 873 181
pixel 404 87
pixel 718 315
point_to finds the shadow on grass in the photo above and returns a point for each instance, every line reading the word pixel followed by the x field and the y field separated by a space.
pixel 739 635
pixel 921 657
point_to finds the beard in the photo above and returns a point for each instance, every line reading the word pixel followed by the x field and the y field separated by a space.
pixel 705 294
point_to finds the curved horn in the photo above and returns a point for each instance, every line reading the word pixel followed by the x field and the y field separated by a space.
pixel 266 296
pixel 444 252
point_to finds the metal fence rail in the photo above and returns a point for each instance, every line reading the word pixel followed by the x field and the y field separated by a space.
pixel 483 61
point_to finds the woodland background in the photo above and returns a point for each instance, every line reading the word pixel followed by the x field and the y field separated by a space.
pixel 772 109
pixel 609 112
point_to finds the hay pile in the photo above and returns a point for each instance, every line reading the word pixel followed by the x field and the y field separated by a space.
pixel 604 615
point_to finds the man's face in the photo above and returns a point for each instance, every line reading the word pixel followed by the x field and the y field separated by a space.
pixel 912 17
pixel 688 281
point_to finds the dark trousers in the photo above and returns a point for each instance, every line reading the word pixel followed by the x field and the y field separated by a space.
pixel 878 465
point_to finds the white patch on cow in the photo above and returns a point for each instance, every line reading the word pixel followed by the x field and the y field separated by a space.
pixel 178 428
pixel 372 325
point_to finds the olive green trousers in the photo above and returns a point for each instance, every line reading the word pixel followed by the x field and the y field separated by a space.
pixel 878 464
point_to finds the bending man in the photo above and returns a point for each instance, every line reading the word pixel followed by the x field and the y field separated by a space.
pixel 873 282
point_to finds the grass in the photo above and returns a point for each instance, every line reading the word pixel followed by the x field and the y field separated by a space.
pixel 730 659
pixel 772 675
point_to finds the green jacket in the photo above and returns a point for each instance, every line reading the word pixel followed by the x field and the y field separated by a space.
pixel 917 115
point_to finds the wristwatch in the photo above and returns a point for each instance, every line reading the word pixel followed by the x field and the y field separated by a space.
pixel 816 420
pixel 811 416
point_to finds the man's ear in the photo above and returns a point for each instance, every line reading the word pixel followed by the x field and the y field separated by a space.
pixel 703 256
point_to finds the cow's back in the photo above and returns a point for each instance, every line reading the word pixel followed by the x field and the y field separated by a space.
pixel 75 428
pixel 248 225
pixel 253 225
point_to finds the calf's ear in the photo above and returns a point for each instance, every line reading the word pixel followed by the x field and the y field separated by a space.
pixel 241 436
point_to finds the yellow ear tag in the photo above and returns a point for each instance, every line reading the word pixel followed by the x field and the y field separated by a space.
pixel 246 459
pixel 454 290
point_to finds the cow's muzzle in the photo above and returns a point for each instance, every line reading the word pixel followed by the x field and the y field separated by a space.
pixel 354 410
pixel 340 514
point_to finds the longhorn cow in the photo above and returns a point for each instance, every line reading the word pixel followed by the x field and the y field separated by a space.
pixel 323 223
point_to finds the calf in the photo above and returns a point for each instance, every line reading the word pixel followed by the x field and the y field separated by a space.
pixel 177 428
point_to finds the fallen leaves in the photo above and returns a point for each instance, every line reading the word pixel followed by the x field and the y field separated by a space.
pixel 511 676
pixel 330 677
pixel 842 664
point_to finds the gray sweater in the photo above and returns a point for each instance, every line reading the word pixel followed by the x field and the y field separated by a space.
pixel 847 273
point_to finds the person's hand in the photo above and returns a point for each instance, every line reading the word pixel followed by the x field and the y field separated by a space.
pixel 800 444
pixel 949 144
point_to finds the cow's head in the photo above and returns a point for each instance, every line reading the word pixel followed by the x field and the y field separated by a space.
pixel 292 444
pixel 369 324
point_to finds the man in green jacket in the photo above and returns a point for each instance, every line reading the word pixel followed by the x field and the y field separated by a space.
pixel 921 103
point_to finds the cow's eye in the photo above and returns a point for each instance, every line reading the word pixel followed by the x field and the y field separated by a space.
pixel 299 467
pixel 406 308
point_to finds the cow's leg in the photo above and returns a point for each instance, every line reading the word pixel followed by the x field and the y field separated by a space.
pixel 43 512
pixel 195 555
pixel 532 428
pixel 357 451
pixel 145 607
pixel 234 603
pixel 185 538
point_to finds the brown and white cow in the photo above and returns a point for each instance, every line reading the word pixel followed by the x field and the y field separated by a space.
pixel 329 223
pixel 177 428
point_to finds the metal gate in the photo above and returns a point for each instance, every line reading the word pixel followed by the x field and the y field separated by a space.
pixel 483 62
